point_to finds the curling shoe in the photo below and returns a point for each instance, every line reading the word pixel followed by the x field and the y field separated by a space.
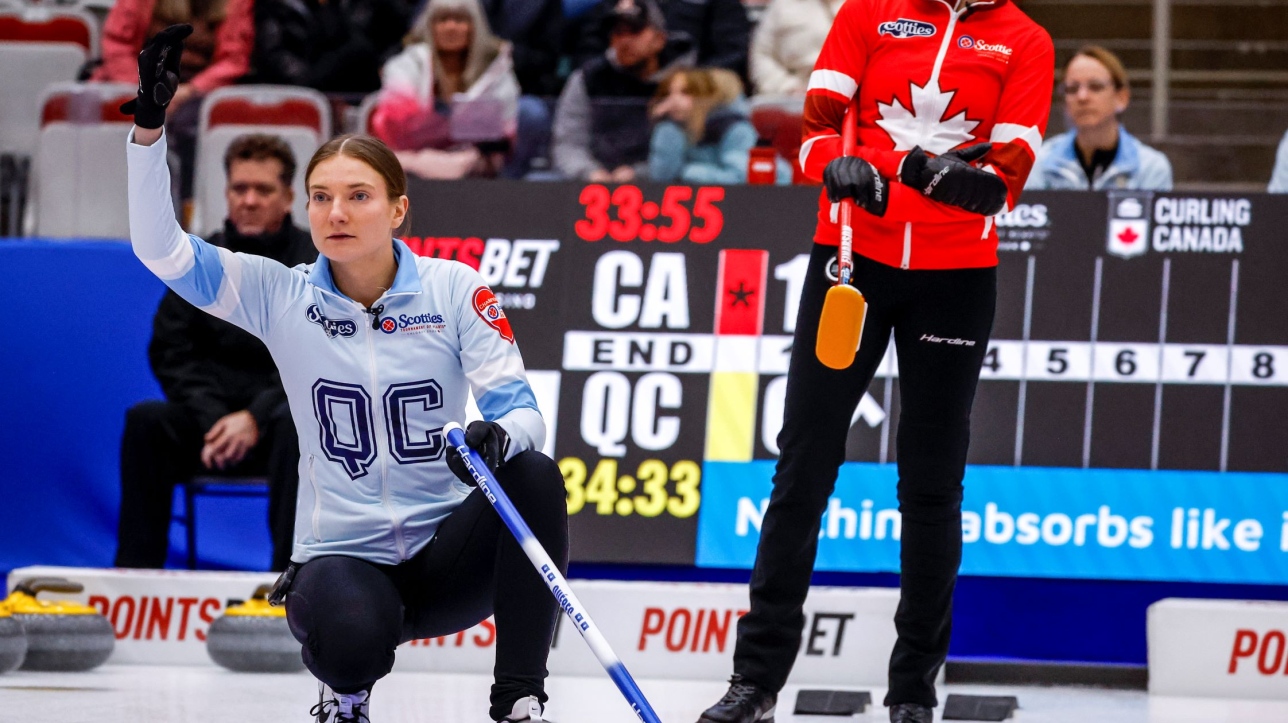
pixel 336 707
pixel 911 713
pixel 526 709
pixel 744 702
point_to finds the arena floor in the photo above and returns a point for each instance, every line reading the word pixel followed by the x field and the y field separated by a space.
pixel 139 694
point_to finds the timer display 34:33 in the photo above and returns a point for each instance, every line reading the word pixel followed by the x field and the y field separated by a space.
pixel 608 493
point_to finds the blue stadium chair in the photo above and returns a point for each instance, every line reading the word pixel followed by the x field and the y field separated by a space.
pixel 213 487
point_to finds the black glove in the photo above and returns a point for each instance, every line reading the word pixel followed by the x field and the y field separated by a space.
pixel 950 178
pixel 158 76
pixel 277 594
pixel 851 177
pixel 489 439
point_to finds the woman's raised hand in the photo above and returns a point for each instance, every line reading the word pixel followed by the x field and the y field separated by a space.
pixel 158 76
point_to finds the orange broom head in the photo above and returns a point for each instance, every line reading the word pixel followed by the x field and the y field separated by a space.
pixel 840 326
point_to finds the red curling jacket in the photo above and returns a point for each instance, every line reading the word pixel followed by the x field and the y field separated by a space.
pixel 928 73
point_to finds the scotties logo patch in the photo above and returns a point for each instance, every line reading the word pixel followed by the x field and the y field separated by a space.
pixel 489 309
pixel 905 28
pixel 332 327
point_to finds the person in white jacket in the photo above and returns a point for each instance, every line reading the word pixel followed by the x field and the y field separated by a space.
pixel 450 99
pixel 378 349
pixel 783 51
pixel 786 44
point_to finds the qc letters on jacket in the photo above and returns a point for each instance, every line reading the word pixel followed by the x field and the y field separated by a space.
pixel 369 394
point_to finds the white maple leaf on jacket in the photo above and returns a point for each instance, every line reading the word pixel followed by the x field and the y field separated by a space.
pixel 924 125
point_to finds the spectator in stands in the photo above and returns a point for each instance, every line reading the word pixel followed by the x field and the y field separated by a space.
pixel 334 47
pixel 216 54
pixel 718 31
pixel 225 411
pixel 783 50
pixel 602 127
pixel 534 29
pixel 1098 153
pixel 1279 177
pixel 449 99
pixel 702 134
pixel 786 44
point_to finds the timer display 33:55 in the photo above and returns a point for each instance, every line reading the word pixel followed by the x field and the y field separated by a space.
pixel 609 493
pixel 635 216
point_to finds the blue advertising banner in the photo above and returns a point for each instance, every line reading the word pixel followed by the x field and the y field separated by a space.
pixel 1193 526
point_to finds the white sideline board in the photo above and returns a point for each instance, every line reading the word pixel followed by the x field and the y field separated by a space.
pixel 1218 648
pixel 660 630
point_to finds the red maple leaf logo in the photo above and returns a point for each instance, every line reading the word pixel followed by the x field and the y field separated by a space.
pixel 1128 236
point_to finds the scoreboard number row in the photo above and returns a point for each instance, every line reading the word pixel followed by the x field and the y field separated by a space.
pixel 1072 361
pixel 1136 362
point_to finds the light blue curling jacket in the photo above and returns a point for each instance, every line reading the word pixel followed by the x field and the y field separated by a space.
pixel 369 404
pixel 1137 167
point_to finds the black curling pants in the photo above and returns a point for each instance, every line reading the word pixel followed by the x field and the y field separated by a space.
pixel 350 614
pixel 933 314
pixel 161 447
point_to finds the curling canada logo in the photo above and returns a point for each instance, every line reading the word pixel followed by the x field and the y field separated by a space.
pixel 489 310
pixel 1128 224
pixel 332 327
pixel 1204 225
pixel 904 28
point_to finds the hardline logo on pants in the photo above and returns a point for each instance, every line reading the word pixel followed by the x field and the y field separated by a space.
pixel 941 340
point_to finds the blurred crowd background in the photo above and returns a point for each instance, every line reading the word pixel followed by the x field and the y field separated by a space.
pixel 1150 94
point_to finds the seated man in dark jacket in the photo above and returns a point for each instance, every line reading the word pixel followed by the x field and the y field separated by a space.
pixel 225 411
pixel 602 128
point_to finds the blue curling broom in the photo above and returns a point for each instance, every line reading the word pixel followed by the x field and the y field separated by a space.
pixel 551 575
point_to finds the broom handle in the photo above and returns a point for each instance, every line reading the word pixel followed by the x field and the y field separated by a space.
pixel 844 263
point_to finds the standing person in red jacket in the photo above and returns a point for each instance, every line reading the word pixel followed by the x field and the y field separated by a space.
pixel 952 98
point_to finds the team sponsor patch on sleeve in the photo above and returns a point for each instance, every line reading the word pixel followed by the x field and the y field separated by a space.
pixel 489 309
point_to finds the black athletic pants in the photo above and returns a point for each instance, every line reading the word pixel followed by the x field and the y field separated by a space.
pixel 941 322
pixel 350 614
pixel 162 447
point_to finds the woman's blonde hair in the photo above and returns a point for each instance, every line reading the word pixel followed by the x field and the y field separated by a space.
pixel 1105 57
pixel 484 46
pixel 710 88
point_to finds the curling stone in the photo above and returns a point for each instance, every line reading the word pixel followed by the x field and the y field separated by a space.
pixel 254 638
pixel 13 641
pixel 61 635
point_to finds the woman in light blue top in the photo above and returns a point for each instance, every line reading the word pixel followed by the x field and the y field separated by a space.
pixel 378 350
pixel 1098 154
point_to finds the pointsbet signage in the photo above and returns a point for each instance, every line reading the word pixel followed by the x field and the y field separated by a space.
pixel 1218 648
pixel 1123 427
